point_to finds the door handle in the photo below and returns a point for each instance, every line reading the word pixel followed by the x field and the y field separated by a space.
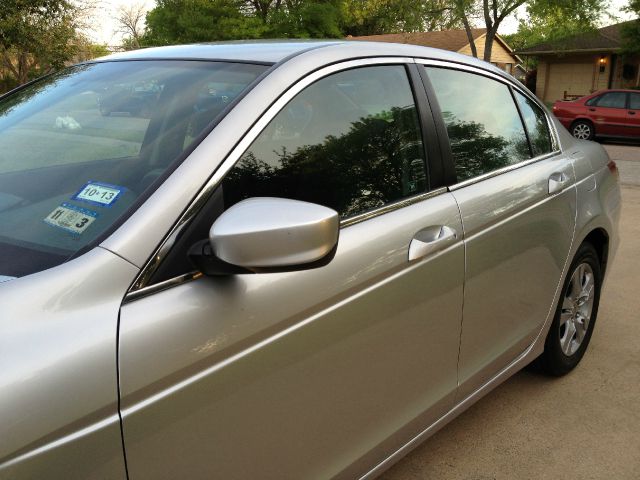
pixel 592 109
pixel 557 182
pixel 632 113
pixel 429 240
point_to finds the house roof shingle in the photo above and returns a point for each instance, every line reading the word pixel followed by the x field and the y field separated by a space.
pixel 452 40
pixel 604 39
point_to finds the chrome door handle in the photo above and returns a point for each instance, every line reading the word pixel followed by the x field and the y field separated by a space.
pixel 429 240
pixel 557 182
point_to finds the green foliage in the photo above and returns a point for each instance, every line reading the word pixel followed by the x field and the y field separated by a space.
pixel 631 30
pixel 36 36
pixel 305 19
pixel 552 21
pixel 373 17
pixel 186 21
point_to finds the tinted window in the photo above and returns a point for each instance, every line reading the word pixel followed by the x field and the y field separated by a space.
pixel 350 141
pixel 79 147
pixel 612 100
pixel 634 101
pixel 484 126
pixel 536 122
pixel 592 101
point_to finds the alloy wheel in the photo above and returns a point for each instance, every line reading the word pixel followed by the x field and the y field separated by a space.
pixel 577 308
pixel 582 131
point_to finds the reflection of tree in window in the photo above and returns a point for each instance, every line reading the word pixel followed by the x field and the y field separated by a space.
pixel 377 161
pixel 536 124
pixel 540 141
pixel 477 152
pixel 485 129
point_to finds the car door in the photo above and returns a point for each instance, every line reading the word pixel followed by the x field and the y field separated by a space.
pixel 516 196
pixel 633 115
pixel 315 373
pixel 609 114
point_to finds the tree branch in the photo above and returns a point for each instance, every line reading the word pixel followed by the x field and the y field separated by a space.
pixel 6 60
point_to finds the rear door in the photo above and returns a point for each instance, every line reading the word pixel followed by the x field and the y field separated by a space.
pixel 316 373
pixel 609 114
pixel 517 199
pixel 633 115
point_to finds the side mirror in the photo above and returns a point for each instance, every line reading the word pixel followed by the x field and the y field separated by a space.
pixel 266 234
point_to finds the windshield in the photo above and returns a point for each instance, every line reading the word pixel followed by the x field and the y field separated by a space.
pixel 79 147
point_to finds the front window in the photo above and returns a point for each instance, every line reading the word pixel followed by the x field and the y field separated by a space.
pixel 612 100
pixel 351 141
pixel 78 148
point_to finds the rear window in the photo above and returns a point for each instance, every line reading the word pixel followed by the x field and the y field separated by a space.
pixel 484 127
pixel 536 122
pixel 79 147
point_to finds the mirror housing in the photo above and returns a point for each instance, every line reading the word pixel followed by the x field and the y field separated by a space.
pixel 266 234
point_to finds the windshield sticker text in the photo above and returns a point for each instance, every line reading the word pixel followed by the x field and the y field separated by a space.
pixel 71 218
pixel 101 194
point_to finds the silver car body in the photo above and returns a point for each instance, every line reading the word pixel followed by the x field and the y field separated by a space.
pixel 334 372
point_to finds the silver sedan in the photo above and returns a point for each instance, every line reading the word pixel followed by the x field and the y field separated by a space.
pixel 281 260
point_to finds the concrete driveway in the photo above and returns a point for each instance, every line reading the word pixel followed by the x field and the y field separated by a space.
pixel 627 158
pixel 585 425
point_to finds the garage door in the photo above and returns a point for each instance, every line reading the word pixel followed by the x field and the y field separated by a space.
pixel 575 78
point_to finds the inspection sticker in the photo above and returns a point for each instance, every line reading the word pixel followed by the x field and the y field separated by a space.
pixel 71 218
pixel 98 193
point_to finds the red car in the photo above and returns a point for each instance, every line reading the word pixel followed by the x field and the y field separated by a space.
pixel 607 113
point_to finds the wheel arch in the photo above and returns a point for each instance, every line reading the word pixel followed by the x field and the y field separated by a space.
pixel 583 119
pixel 599 238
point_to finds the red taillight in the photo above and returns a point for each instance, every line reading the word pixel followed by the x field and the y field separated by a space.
pixel 613 168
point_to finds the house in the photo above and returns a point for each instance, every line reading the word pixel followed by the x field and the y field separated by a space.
pixel 581 64
pixel 455 41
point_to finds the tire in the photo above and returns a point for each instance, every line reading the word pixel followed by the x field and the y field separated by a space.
pixel 583 130
pixel 575 316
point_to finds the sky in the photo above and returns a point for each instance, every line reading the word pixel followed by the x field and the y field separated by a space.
pixel 105 28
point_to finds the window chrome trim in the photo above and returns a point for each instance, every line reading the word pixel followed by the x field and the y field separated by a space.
pixel 391 207
pixel 500 171
pixel 158 287
pixel 150 267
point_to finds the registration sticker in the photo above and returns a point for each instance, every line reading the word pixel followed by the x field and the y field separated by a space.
pixel 98 193
pixel 71 218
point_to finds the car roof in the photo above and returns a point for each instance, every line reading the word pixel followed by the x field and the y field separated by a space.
pixel 606 90
pixel 274 51
pixel 247 51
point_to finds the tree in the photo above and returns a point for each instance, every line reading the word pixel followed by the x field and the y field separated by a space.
pixel 130 20
pixel 372 17
pixel 183 21
pixel 186 21
pixel 553 22
pixel 36 36
pixel 86 49
pixel 305 19
pixel 566 13
pixel 631 30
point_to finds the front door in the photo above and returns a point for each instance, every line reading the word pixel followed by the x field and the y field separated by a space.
pixel 316 373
